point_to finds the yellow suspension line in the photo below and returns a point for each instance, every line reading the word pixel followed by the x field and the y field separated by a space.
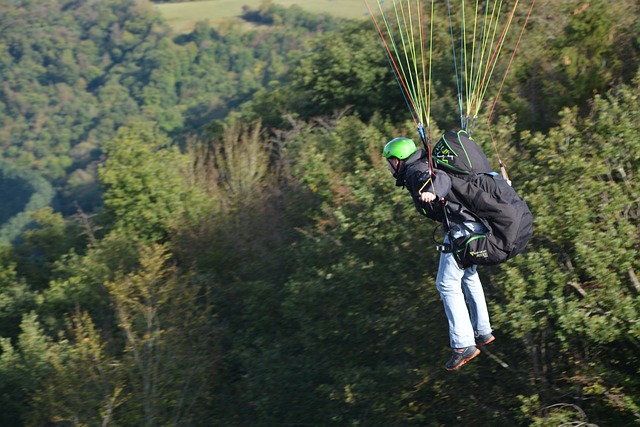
pixel 414 61
pixel 425 110
pixel 405 31
pixel 464 57
pixel 499 47
pixel 490 24
pixel 488 35
pixel 430 62
pixel 404 67
pixel 474 71
pixel 424 117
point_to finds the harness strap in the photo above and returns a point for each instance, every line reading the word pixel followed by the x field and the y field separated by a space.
pixel 444 248
pixel 445 222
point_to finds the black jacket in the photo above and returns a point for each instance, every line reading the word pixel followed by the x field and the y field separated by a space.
pixel 414 173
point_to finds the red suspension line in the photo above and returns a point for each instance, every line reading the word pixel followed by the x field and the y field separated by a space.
pixel 394 64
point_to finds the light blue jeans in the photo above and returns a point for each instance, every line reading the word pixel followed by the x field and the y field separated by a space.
pixel 463 297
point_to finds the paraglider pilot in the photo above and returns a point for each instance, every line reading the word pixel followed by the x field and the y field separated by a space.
pixel 460 288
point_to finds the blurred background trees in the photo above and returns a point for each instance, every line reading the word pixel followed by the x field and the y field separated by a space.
pixel 199 229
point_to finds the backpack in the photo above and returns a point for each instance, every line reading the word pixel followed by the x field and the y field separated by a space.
pixel 486 196
pixel 509 222
pixel 456 153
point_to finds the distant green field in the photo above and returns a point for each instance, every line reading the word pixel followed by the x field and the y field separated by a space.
pixel 183 16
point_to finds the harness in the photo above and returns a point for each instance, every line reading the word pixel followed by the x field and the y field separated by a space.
pixel 458 246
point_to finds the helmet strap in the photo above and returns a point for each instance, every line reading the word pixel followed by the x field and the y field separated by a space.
pixel 396 168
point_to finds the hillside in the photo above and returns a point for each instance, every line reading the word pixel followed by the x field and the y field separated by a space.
pixel 183 16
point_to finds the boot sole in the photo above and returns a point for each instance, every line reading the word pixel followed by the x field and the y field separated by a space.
pixel 459 365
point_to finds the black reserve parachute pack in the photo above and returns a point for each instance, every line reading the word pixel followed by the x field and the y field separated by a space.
pixel 487 196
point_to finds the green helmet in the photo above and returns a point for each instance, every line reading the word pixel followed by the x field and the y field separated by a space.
pixel 401 148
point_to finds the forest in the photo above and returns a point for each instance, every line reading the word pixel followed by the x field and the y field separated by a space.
pixel 200 229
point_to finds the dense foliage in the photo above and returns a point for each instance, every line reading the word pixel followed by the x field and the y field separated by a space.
pixel 74 72
pixel 227 247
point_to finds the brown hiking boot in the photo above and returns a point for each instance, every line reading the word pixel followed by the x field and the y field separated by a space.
pixel 461 356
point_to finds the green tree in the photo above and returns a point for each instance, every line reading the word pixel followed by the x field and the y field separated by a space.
pixel 86 386
pixel 169 347
pixel 25 192
pixel 575 51
pixel 154 367
pixel 347 69
pixel 144 187
pixel 23 368
pixel 16 297
pixel 355 311
pixel 246 190
pixel 40 247
pixel 572 299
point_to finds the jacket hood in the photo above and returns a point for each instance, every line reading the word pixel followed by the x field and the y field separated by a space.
pixel 419 154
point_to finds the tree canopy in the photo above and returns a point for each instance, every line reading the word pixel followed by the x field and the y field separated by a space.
pixel 204 232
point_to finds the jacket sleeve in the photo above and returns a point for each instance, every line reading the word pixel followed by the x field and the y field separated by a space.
pixel 420 181
pixel 441 184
